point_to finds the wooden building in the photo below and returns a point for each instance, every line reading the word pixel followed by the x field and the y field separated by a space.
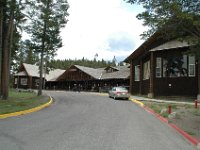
pixel 74 78
pixel 90 79
pixel 28 77
pixel 162 68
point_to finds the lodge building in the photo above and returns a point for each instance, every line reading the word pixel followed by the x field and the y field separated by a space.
pixel 162 67
pixel 158 67
pixel 74 78
pixel 28 76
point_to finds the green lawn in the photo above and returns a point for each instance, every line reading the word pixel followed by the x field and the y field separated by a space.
pixel 19 101
pixel 158 107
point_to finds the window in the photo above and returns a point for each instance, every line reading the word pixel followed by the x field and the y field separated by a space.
pixel 37 82
pixel 109 70
pixel 184 67
pixel 16 80
pixel 114 89
pixel 175 66
pixel 158 67
pixel 191 68
pixel 164 67
pixel 146 70
pixel 137 73
pixel 23 81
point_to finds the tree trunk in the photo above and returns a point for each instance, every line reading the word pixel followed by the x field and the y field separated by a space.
pixel 42 55
pixel 1 41
pixel 41 70
pixel 6 58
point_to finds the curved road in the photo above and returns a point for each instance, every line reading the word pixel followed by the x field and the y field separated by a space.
pixel 85 121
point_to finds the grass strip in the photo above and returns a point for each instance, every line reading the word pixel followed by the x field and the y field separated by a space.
pixel 19 101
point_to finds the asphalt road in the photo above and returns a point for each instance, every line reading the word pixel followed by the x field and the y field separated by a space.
pixel 85 121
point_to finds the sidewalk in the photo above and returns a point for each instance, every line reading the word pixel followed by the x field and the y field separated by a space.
pixel 139 98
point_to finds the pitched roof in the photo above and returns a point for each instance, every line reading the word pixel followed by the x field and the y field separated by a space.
pixel 119 72
pixel 54 74
pixel 122 73
pixel 95 73
pixel 22 73
pixel 143 48
pixel 32 70
pixel 115 68
pixel 154 43
pixel 171 45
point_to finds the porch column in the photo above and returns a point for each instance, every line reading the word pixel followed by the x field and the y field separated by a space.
pixel 18 82
pixel 30 83
pixel 198 78
pixel 141 77
pixel 131 78
pixel 151 85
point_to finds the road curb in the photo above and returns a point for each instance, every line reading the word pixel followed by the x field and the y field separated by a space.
pixel 190 138
pixel 28 110
pixel 186 135
pixel 137 102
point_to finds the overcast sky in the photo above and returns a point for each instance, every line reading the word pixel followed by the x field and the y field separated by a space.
pixel 106 27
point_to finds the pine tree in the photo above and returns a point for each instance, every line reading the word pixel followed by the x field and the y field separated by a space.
pixel 10 18
pixel 173 19
pixel 47 18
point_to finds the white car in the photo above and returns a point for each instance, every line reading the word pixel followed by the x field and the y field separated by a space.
pixel 119 92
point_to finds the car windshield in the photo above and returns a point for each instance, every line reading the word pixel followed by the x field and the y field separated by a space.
pixel 121 89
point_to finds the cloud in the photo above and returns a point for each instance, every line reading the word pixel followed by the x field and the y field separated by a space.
pixel 106 27
pixel 121 41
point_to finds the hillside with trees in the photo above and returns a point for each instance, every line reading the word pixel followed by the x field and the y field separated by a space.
pixel 64 64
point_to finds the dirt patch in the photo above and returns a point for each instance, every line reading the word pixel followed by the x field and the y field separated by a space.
pixel 188 119
pixel 183 116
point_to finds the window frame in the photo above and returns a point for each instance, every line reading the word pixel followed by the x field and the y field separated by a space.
pixel 146 66
pixel 177 74
pixel 23 81
pixel 137 67
pixel 16 80
pixel 158 67
pixel 193 66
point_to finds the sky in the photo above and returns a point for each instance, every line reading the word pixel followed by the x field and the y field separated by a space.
pixel 105 27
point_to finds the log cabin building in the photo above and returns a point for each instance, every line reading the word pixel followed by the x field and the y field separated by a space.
pixel 74 78
pixel 28 77
pixel 90 79
pixel 162 67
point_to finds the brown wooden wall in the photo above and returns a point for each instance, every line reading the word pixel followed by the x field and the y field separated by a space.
pixel 142 86
pixel 180 86
pixel 73 74
pixel 31 82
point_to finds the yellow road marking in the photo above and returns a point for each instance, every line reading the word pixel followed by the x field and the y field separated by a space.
pixel 138 102
pixel 26 111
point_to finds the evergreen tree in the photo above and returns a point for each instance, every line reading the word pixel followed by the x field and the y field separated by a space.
pixel 172 18
pixel 64 64
pixel 47 18
pixel 10 18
